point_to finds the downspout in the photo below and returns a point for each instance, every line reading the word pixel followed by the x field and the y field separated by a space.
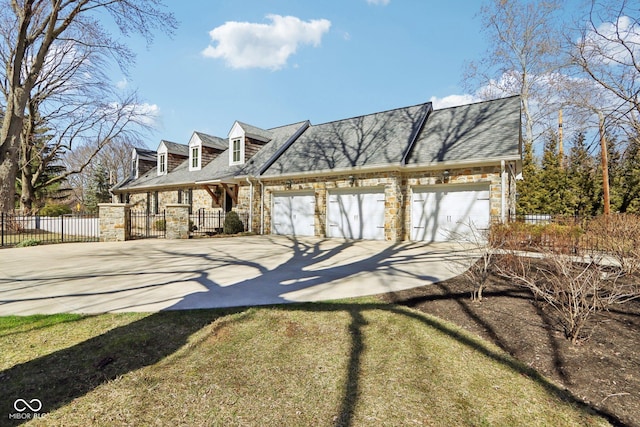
pixel 261 206
pixel 503 200
pixel 250 204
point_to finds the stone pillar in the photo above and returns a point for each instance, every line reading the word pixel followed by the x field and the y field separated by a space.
pixel 177 221
pixel 115 222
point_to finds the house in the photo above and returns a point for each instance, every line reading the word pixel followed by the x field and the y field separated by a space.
pixel 411 173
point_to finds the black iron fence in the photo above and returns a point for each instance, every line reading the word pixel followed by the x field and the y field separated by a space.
pixel 29 230
pixel 146 225
pixel 209 223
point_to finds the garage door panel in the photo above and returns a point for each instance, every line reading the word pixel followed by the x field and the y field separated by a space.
pixel 441 214
pixel 356 215
pixel 294 215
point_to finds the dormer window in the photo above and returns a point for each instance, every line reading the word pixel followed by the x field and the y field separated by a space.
pixel 162 163
pixel 236 148
pixel 162 159
pixel 195 157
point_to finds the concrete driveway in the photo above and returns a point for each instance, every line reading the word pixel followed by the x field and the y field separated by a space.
pixel 153 275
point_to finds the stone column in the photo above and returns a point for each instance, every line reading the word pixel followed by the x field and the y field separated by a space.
pixel 115 222
pixel 177 221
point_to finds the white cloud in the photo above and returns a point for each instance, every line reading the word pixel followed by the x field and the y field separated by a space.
pixel 252 45
pixel 453 101
pixel 122 84
pixel 614 43
pixel 379 2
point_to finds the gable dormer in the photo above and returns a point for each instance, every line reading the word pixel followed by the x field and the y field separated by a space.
pixel 162 159
pixel 169 155
pixel 204 148
pixel 244 141
pixel 142 161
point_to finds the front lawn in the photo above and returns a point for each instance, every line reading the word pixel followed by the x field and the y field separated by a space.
pixel 353 363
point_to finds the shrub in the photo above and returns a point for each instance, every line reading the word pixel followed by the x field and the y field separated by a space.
pixel 54 209
pixel 160 225
pixel 232 224
pixel 618 236
pixel 28 242
pixel 574 290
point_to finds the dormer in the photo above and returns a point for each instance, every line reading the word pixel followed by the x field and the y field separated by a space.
pixel 244 141
pixel 169 155
pixel 142 161
pixel 204 148
pixel 162 159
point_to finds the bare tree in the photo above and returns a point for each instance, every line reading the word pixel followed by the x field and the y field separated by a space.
pixel 523 58
pixel 31 30
pixel 608 52
pixel 115 158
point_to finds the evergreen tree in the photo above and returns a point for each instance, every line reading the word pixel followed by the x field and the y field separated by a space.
pixel 556 197
pixel 529 189
pixel 582 171
pixel 40 168
pixel 615 168
pixel 630 178
pixel 98 191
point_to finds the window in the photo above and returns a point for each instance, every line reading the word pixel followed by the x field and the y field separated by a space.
pixel 237 150
pixel 156 203
pixel 195 158
pixel 162 164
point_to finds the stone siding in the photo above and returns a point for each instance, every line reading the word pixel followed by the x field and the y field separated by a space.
pixel 114 222
pixel 398 190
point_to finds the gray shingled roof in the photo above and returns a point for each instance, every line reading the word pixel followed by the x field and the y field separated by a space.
pixel 146 154
pixel 484 130
pixel 213 141
pixel 175 148
pixel 378 139
pixel 255 132
pixel 219 167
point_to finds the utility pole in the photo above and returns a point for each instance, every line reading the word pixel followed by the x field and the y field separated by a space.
pixel 605 165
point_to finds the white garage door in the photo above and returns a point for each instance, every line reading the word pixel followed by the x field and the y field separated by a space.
pixel 293 214
pixel 356 215
pixel 445 213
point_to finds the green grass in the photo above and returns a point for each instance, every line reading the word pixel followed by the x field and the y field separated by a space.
pixel 356 363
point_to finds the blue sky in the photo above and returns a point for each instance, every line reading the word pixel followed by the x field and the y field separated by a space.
pixel 275 62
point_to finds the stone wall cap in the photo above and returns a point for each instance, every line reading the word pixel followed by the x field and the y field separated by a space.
pixel 114 205
pixel 176 205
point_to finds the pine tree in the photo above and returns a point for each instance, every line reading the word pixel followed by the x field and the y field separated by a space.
pixel 529 189
pixel 556 197
pixel 98 191
pixel 582 170
pixel 630 178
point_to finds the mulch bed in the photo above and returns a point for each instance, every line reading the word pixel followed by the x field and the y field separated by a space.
pixel 603 370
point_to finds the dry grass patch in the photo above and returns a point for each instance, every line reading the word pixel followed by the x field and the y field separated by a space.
pixel 360 363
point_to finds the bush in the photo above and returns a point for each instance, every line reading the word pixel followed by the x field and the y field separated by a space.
pixel 562 237
pixel 618 236
pixel 232 224
pixel 54 209
pixel 160 225
pixel 28 242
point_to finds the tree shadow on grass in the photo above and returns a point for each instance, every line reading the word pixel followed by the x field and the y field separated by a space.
pixel 58 378
pixel 352 387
